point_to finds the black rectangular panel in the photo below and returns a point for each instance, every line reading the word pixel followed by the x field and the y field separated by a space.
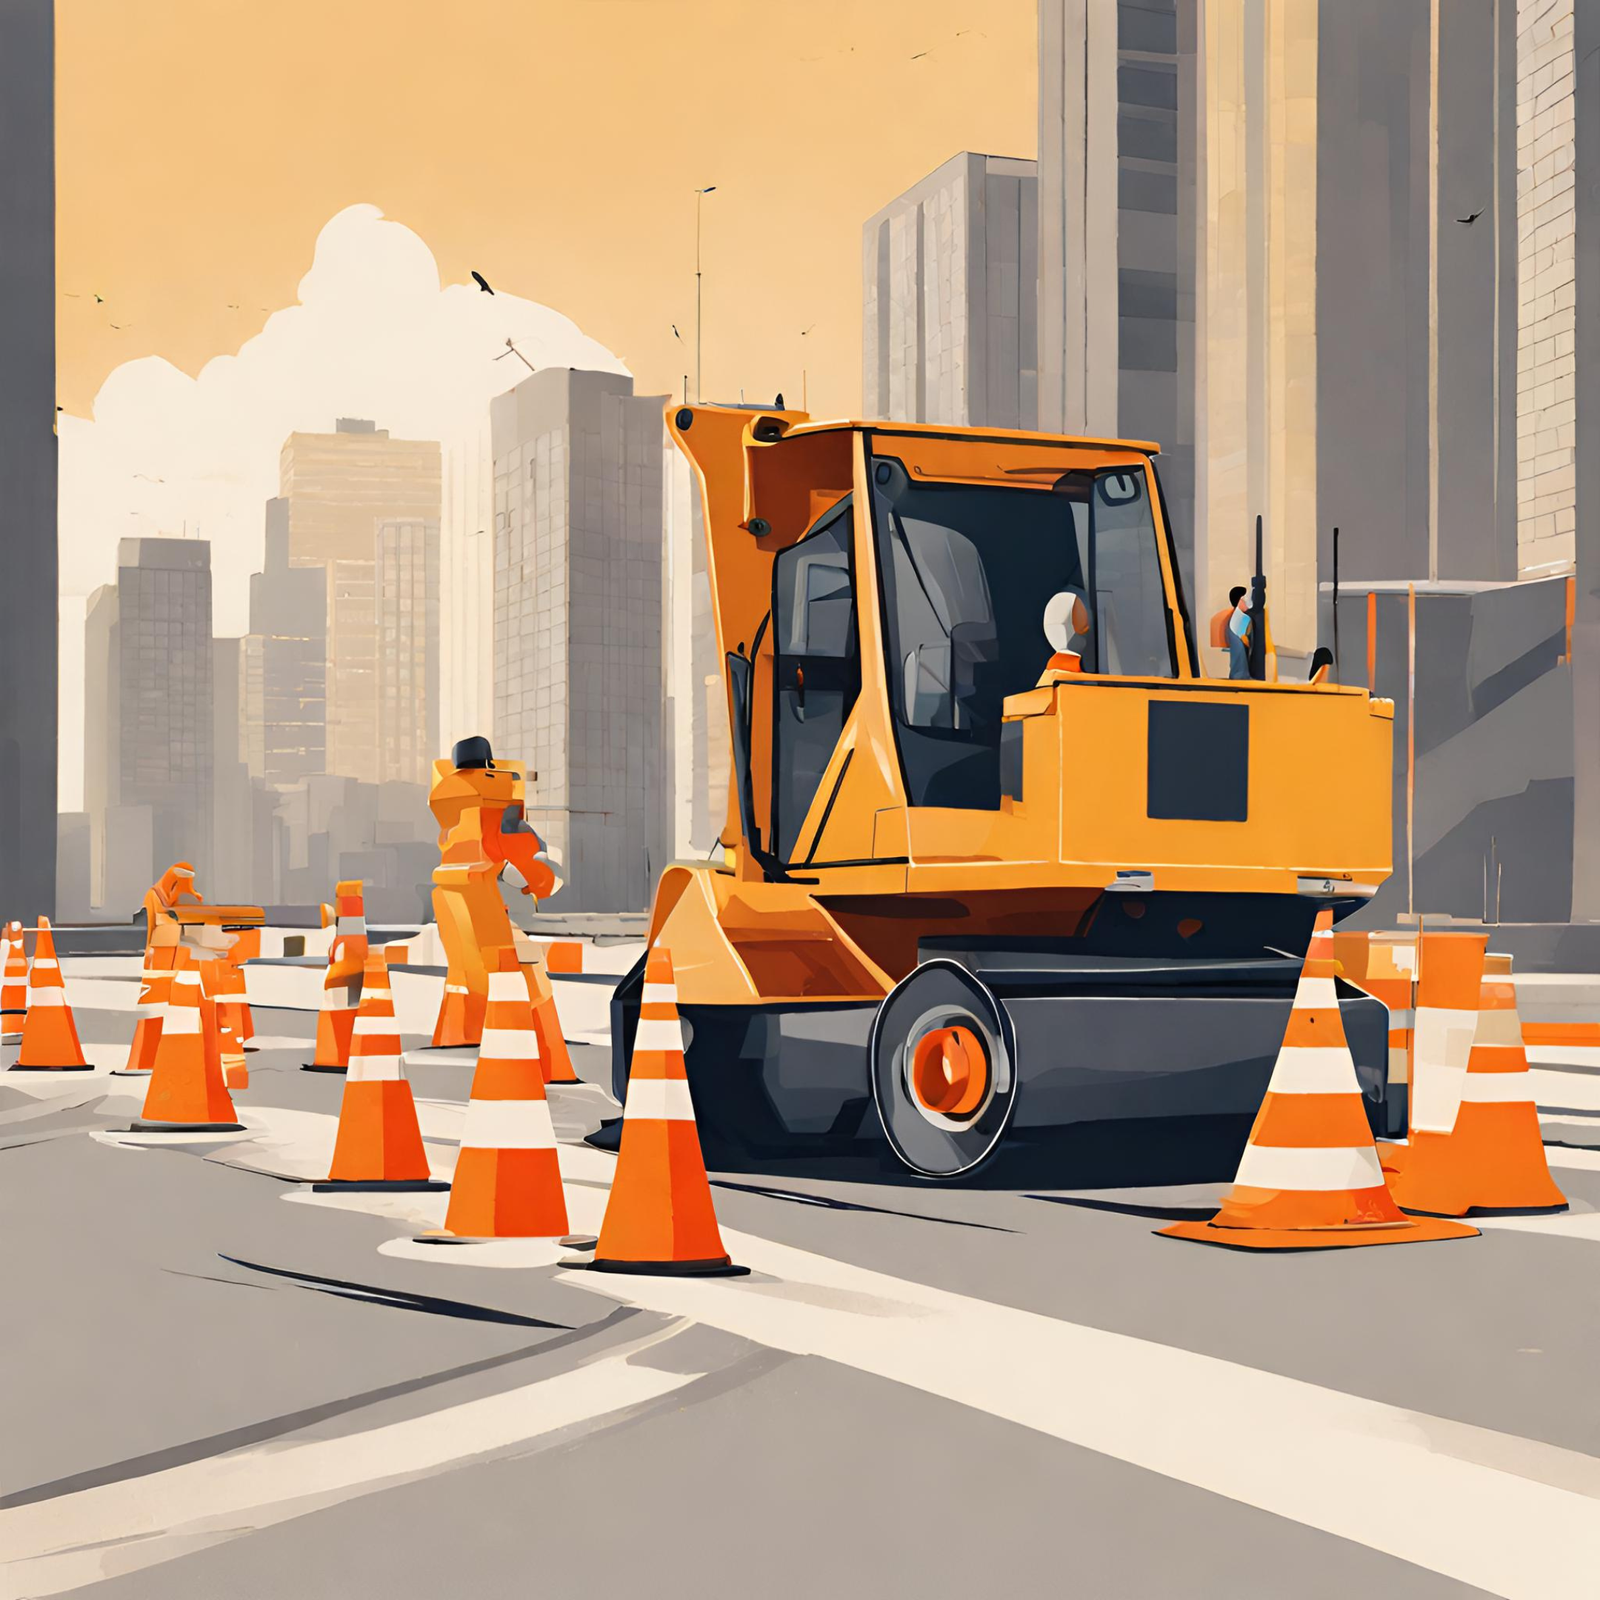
pixel 1011 759
pixel 1199 761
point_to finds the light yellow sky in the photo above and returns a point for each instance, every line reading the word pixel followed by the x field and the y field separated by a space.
pixel 552 144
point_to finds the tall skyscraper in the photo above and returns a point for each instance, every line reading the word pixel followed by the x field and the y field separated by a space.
pixel 231 874
pixel 1558 371
pixel 695 738
pixel 466 588
pixel 285 664
pixel 949 274
pixel 28 458
pixel 340 486
pixel 407 599
pixel 148 735
pixel 577 624
pixel 1118 210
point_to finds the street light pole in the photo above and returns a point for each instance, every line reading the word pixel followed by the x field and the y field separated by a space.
pixel 699 199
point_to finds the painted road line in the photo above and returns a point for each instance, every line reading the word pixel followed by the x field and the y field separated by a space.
pixel 75 1539
pixel 1291 1448
pixel 1564 1055
pixel 1571 1091
pixel 1584 1225
pixel 1575 1160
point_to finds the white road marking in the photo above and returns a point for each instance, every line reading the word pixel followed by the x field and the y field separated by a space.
pixel 1564 1224
pixel 60 1544
pixel 1556 1155
pixel 1580 1091
pixel 1317 1456
pixel 1564 1055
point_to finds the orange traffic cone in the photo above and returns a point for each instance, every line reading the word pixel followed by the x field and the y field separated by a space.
pixel 1367 960
pixel 233 1004
pixel 508 1179
pixel 341 988
pixel 1493 1159
pixel 554 1061
pixel 14 989
pixel 154 993
pixel 379 1144
pixel 1310 1176
pixel 235 1069
pixel 659 1216
pixel 1449 984
pixel 187 1093
pixel 460 1019
pixel 49 1031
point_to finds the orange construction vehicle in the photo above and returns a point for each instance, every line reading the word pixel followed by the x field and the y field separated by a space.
pixel 487 846
pixel 997 855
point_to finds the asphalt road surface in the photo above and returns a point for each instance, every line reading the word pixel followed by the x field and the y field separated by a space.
pixel 217 1383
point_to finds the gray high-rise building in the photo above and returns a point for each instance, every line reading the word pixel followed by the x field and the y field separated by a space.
pixel 27 458
pixel 340 486
pixel 285 665
pixel 148 733
pixel 233 856
pixel 406 601
pixel 577 624
pixel 1118 185
pixel 949 297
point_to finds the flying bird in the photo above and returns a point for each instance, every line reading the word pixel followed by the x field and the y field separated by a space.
pixel 70 295
pixel 482 282
pixel 148 479
pixel 675 334
pixel 919 55
pixel 1468 221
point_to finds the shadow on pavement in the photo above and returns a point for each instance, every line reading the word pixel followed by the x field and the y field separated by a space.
pixel 1154 1153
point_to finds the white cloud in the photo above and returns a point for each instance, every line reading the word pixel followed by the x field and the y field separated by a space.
pixel 373 335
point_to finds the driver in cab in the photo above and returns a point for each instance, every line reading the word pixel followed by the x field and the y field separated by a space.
pixel 1066 626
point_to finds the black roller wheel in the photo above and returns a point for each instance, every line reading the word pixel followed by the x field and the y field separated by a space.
pixel 943 1062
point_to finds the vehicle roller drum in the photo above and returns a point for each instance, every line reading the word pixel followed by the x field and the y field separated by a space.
pixel 943 1063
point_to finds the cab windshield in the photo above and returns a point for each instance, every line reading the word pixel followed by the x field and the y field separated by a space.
pixel 969 574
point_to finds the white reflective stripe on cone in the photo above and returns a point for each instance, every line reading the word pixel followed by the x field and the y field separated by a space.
pixel 1314 1069
pixel 1290 1167
pixel 350 926
pixel 45 964
pixel 659 1033
pixel 374 1024
pixel 660 994
pixel 507 986
pixel 1439 1064
pixel 1399 1063
pixel 659 1100
pixel 1497 1088
pixel 181 1019
pixel 508 1044
pixel 508 1125
pixel 47 997
pixel 1315 994
pixel 373 1069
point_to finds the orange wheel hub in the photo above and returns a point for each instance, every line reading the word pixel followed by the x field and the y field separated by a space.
pixel 950 1071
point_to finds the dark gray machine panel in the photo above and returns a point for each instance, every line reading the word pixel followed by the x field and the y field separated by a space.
pixel 1199 761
